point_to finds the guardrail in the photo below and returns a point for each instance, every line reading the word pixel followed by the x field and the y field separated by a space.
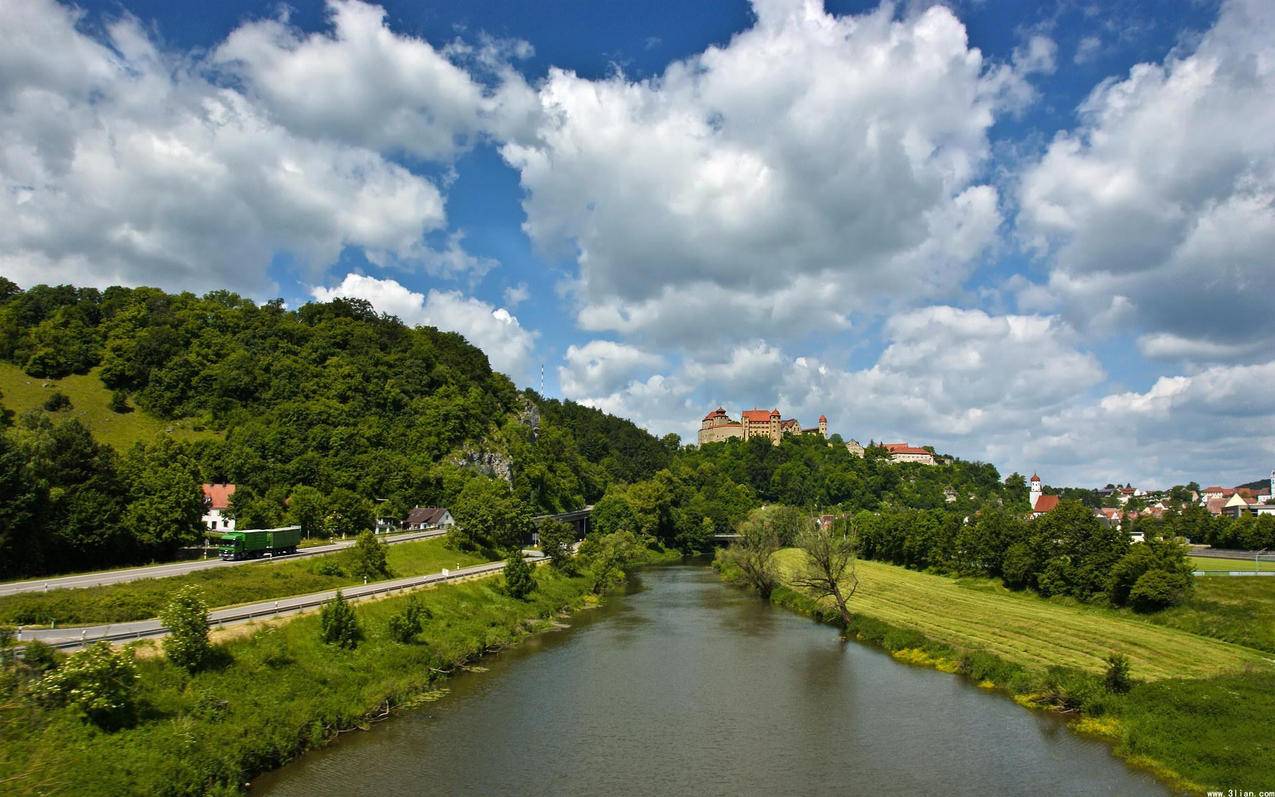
pixel 222 617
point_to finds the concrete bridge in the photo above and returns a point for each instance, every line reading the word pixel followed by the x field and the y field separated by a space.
pixel 581 519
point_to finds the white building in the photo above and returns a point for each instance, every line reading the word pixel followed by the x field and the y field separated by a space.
pixel 216 502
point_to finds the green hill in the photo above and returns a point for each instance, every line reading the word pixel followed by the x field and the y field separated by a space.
pixel 89 403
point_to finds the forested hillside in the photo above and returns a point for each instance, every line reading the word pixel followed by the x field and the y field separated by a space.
pixel 327 410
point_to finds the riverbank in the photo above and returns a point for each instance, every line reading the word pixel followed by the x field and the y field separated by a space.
pixel 1197 717
pixel 275 694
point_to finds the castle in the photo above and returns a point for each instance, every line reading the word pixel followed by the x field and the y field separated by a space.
pixel 718 426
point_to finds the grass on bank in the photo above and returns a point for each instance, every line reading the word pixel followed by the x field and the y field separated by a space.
pixel 1197 724
pixel 280 692
pixel 1233 609
pixel 222 586
pixel 90 403
pixel 1213 563
pixel 1025 629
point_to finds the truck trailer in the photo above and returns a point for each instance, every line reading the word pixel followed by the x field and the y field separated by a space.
pixel 256 543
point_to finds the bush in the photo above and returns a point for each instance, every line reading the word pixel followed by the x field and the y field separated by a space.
pixel 328 566
pixel 519 581
pixel 99 681
pixel 405 625
pixel 368 558
pixel 119 402
pixel 1118 680
pixel 338 624
pixel 40 657
pixel 1056 578
pixel 57 401
pixel 1158 589
pixel 186 618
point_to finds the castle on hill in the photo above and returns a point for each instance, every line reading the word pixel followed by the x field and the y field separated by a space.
pixel 718 426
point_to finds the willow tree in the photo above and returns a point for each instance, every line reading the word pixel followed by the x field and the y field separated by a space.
pixel 828 569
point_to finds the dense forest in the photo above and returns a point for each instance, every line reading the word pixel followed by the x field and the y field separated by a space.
pixel 327 412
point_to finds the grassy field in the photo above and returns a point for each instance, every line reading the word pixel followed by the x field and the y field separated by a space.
pixel 223 586
pixel 1239 610
pixel 1036 633
pixel 89 399
pixel 1209 563
pixel 277 693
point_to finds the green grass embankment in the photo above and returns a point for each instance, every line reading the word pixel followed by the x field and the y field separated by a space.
pixel 1198 715
pixel 280 693
pixel 1213 563
pixel 221 586
pixel 90 404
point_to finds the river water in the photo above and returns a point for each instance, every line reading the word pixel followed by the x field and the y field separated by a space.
pixel 687 686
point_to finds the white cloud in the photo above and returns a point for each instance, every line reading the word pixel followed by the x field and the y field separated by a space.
pixel 814 167
pixel 1087 49
pixel 1163 200
pixel 361 83
pixel 124 163
pixel 602 366
pixel 493 329
pixel 517 294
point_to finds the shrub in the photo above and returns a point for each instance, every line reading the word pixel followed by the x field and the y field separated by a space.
pixel 519 581
pixel 405 625
pixel 119 402
pixel 368 557
pixel 57 401
pixel 186 618
pixel 328 566
pixel 1158 589
pixel 40 657
pixel 1056 577
pixel 338 624
pixel 1118 680
pixel 98 681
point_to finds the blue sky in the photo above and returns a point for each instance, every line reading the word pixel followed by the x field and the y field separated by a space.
pixel 1034 234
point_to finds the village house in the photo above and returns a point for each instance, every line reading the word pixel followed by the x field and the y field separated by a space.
pixel 424 518
pixel 216 504
pixel 902 452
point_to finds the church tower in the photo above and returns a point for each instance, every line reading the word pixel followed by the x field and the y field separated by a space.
pixel 823 430
pixel 1034 495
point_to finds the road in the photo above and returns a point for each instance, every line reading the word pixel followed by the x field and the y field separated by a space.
pixel 73 637
pixel 102 577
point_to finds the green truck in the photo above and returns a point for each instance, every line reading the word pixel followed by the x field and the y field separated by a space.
pixel 255 543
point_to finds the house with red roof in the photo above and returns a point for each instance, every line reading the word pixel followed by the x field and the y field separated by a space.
pixel 216 506
pixel 902 452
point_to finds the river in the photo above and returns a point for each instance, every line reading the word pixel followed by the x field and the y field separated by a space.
pixel 688 686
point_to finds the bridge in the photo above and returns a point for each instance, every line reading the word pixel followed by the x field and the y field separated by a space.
pixel 581 519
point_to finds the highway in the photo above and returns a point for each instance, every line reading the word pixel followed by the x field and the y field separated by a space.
pixel 73 637
pixel 103 577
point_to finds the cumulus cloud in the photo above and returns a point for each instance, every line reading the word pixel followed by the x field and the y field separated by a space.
pixel 1160 206
pixel 493 329
pixel 601 366
pixel 813 167
pixel 360 82
pixel 121 162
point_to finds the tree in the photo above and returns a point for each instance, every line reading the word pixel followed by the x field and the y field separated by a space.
pixel 348 513
pixel 338 625
pixel 99 681
pixel 557 540
pixel 406 624
pixel 608 556
pixel 828 569
pixel 1117 679
pixel 1158 589
pixel 519 580
pixel 166 504
pixel 307 509
pixel 186 618
pixel 119 402
pixel 57 401
pixel 368 558
pixel 489 517
pixel 754 552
